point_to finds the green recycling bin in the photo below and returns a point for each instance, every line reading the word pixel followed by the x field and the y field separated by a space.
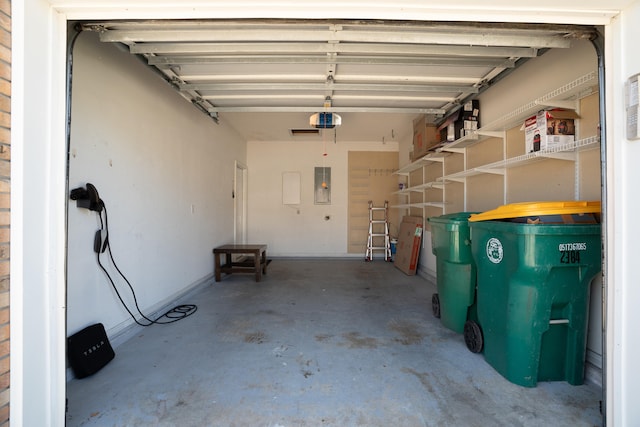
pixel 456 271
pixel 535 263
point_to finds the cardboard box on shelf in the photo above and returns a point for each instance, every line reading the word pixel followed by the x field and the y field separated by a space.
pixel 471 109
pixel 425 136
pixel 408 246
pixel 470 124
pixel 447 128
pixel 461 123
pixel 469 120
pixel 549 129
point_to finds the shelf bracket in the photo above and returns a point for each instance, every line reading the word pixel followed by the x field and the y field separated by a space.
pixel 491 133
pixel 494 171
pixel 569 105
pixel 453 150
pixel 453 179
pixel 564 155
pixel 434 204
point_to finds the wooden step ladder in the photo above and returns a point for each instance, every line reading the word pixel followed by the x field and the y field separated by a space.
pixel 378 228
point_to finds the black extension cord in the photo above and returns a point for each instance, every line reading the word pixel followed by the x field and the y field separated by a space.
pixel 177 313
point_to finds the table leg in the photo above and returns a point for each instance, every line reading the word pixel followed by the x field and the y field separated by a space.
pixel 264 261
pixel 216 258
pixel 256 263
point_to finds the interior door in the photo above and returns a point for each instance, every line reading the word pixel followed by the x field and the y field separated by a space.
pixel 240 204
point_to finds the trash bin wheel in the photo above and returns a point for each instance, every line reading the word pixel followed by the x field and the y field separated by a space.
pixel 473 336
pixel 435 305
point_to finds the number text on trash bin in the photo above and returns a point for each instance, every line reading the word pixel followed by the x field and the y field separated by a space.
pixel 572 247
pixel 570 252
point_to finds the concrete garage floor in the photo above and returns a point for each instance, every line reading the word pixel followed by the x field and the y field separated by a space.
pixel 315 343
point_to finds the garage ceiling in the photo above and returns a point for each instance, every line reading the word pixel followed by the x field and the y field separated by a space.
pixel 277 72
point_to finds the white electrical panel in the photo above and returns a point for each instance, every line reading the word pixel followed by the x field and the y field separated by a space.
pixel 632 98
pixel 291 188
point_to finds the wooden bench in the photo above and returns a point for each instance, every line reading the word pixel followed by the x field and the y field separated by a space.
pixel 257 265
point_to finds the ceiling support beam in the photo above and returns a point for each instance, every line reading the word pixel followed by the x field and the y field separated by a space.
pixel 304 109
pixel 468 37
pixel 218 87
pixel 341 48
pixel 168 61
pixel 330 73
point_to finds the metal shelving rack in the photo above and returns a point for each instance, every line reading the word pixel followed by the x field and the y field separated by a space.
pixel 567 96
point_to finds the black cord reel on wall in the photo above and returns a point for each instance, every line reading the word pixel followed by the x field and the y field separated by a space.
pixel 89 198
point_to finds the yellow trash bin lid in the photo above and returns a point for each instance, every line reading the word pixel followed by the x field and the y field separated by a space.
pixel 537 209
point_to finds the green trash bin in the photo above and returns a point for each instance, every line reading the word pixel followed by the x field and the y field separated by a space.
pixel 456 271
pixel 533 288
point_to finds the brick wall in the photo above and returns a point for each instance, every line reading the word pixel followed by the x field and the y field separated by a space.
pixel 5 202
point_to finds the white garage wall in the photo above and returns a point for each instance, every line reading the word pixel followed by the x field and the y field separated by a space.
pixel 537 77
pixel 301 230
pixel 164 171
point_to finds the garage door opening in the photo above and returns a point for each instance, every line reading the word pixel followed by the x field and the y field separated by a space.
pixel 134 135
